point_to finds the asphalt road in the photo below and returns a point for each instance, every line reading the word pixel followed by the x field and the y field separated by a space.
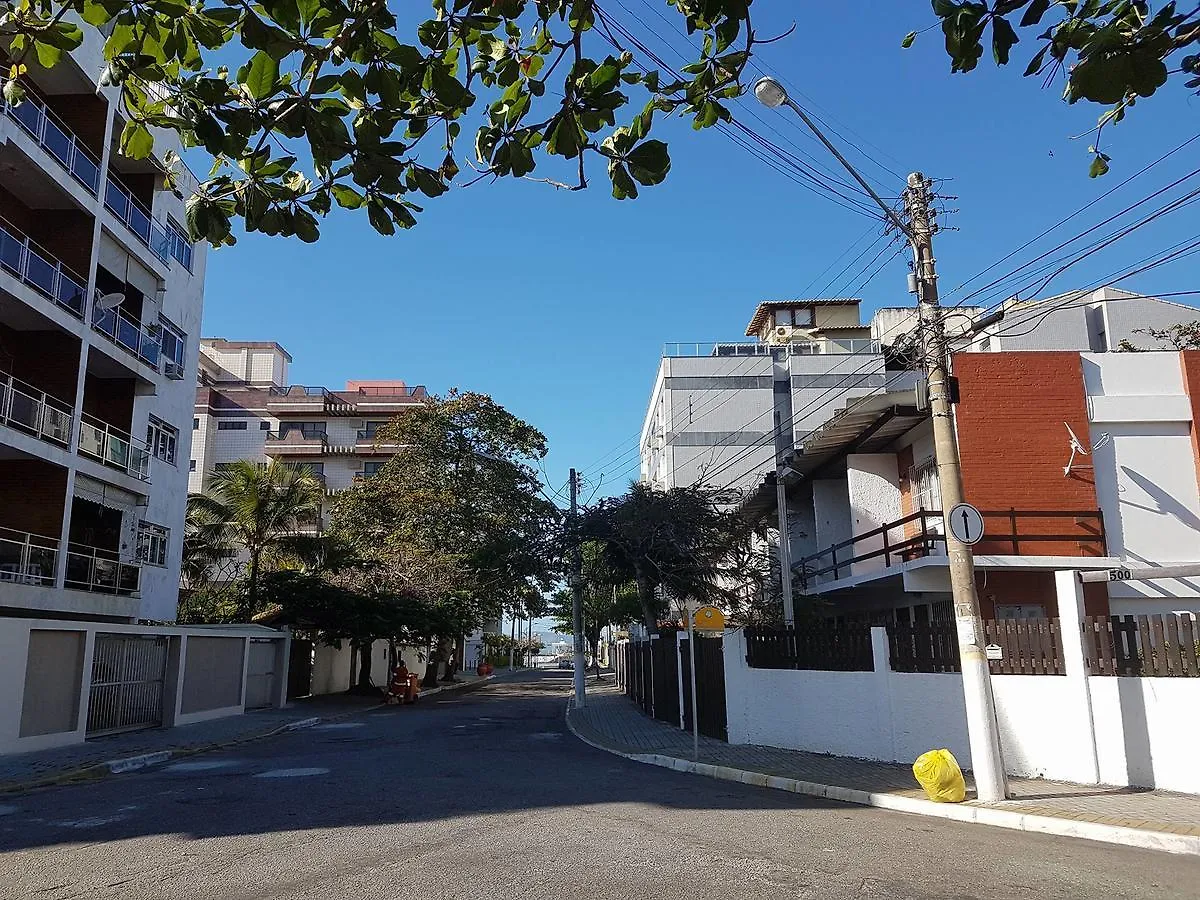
pixel 486 795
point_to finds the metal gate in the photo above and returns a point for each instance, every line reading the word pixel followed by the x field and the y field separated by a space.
pixel 710 686
pixel 127 683
pixel 260 674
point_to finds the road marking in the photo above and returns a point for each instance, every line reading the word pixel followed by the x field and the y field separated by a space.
pixel 90 822
pixel 292 773
pixel 332 726
pixel 203 765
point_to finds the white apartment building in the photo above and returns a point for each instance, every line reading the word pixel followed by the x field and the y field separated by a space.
pixel 245 409
pixel 712 411
pixel 100 301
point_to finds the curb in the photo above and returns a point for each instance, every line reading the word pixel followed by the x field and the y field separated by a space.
pixel 969 813
pixel 122 765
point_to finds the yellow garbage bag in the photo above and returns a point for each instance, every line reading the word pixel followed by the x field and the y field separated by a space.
pixel 939 774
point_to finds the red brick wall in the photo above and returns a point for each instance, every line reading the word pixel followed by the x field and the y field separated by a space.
pixel 1014 446
pixel 1189 362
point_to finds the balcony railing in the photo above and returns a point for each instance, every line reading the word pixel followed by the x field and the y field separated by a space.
pixel 113 447
pixel 121 203
pixel 27 558
pixel 125 331
pixel 40 270
pixel 24 407
pixel 101 571
pixel 1047 532
pixel 301 391
pixel 819 347
pixel 57 139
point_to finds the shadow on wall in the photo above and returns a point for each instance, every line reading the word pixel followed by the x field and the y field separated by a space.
pixel 501 750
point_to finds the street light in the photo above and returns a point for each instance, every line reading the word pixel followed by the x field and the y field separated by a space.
pixel 770 92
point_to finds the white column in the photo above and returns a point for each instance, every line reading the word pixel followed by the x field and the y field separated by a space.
pixel 283 657
pixel 881 656
pixel 1070 620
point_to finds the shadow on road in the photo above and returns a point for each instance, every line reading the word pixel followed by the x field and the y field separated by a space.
pixel 500 750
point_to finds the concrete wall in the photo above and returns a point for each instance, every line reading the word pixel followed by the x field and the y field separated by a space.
pixel 1072 727
pixel 873 482
pixel 46 666
pixel 53 677
pixel 831 511
pixel 213 673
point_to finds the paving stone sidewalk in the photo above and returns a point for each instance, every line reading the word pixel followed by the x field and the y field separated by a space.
pixel 20 770
pixel 612 720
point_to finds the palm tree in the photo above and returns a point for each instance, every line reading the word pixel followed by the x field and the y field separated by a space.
pixel 257 507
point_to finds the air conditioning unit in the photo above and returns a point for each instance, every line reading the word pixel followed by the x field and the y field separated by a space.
pixel 782 334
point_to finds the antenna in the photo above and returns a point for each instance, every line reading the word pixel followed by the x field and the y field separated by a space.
pixel 109 301
pixel 1077 448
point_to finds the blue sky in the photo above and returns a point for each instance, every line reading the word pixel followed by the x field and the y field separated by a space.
pixel 558 304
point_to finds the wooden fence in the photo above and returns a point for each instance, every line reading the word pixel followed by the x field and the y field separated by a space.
pixel 820 646
pixel 1027 647
pixel 1160 646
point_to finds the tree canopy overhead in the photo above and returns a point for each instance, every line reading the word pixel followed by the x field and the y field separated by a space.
pixel 306 103
pixel 1112 52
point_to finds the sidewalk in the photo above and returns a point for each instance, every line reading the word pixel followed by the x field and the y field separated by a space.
pixel 1132 816
pixel 22 771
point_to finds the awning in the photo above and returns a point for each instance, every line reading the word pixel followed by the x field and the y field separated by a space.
pixel 866 426
pixel 105 495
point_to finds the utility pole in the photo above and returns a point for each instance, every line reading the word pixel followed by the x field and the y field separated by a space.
pixel 580 672
pixel 982 729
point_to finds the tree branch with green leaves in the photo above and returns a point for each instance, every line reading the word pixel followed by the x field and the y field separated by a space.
pixel 304 104
pixel 1111 52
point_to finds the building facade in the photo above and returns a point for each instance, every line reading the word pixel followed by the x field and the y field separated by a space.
pixel 101 293
pixel 245 409
pixel 1077 460
pixel 713 409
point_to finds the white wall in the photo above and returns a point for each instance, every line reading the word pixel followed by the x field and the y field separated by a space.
pixel 1145 729
pixel 831 510
pixel 873 483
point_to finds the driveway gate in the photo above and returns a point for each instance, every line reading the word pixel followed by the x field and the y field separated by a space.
pixel 127 683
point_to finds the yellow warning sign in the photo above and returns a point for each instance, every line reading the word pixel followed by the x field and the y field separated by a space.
pixel 709 618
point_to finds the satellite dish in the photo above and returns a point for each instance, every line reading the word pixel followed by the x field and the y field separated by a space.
pixel 109 301
pixel 1077 448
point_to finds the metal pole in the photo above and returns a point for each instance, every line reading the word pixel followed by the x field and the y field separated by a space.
pixel 785 547
pixel 577 598
pixel 512 633
pixel 687 608
pixel 982 728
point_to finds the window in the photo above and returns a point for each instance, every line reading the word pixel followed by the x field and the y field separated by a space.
pixel 161 439
pixel 264 425
pixel 191 465
pixel 232 425
pixel 172 343
pixel 371 469
pixel 372 429
pixel 152 543
pixel 196 423
pixel 179 244
pixel 799 317
pixel 927 491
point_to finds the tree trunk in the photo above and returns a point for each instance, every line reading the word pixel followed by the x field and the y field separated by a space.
pixel 364 686
pixel 432 664
pixel 252 583
pixel 452 660
pixel 645 588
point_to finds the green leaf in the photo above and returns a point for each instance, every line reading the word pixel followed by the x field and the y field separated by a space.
pixel 47 54
pixel 1035 64
pixel 1034 14
pixel 306 227
pixel 624 187
pixel 261 76
pixel 347 197
pixel 1099 166
pixel 649 162
pixel 379 218
pixel 14 94
pixel 1003 38
pixel 136 140
pixel 908 40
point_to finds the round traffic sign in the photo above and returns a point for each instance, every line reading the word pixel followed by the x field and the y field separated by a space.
pixel 965 522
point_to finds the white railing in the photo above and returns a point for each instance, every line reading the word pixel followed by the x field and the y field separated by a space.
pixel 27 558
pixel 819 347
pixel 126 331
pixel 113 447
pixel 24 407
pixel 57 139
pixel 40 270
pixel 101 571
